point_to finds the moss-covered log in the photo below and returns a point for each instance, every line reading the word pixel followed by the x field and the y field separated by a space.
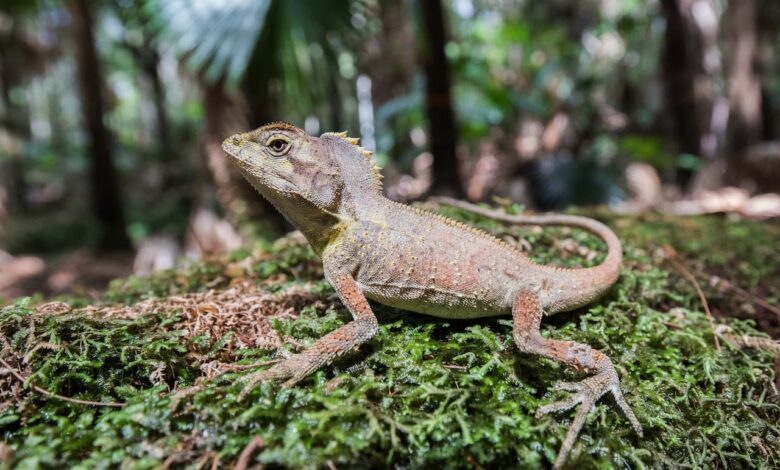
pixel 423 392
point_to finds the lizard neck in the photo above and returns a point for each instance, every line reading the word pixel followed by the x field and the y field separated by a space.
pixel 322 227
pixel 354 206
pixel 318 225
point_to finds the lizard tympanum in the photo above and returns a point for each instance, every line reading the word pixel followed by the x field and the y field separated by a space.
pixel 373 248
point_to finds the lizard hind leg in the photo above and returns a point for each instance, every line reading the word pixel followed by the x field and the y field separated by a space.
pixel 527 316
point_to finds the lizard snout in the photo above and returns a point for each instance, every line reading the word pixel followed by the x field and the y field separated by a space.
pixel 232 145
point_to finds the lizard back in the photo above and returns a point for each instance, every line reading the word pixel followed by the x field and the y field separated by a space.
pixel 419 261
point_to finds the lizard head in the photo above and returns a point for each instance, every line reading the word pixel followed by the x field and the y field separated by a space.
pixel 293 169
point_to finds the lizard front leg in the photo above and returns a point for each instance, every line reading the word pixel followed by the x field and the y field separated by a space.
pixel 334 344
pixel 527 317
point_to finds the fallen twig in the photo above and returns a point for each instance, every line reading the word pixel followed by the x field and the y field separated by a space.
pixel 257 442
pixel 748 341
pixel 11 370
pixel 729 286
pixel 673 258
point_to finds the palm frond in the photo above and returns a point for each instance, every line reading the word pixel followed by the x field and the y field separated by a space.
pixel 227 38
pixel 216 37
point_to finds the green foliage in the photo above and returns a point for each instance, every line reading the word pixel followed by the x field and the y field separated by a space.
pixel 254 43
pixel 218 37
pixel 422 393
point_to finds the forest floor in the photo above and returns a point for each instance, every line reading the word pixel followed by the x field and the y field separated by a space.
pixel 168 353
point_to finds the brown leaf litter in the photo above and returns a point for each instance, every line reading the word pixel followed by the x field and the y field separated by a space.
pixel 243 310
pixel 238 317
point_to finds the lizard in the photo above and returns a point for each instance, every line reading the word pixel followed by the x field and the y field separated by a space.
pixel 371 247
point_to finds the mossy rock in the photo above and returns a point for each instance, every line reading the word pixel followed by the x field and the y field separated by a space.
pixel 423 392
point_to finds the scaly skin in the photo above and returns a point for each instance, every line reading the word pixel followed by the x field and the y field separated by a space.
pixel 404 257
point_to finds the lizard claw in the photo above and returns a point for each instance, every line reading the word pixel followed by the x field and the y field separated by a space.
pixel 586 393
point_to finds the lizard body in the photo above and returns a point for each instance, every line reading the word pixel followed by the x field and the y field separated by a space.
pixel 374 248
pixel 419 261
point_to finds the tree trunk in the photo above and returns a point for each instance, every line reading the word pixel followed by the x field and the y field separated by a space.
pixel 744 82
pixel 150 64
pixel 438 102
pixel 688 68
pixel 334 102
pixel 106 199
pixel 385 55
pixel 258 79
pixel 240 202
pixel 220 124
pixel 765 63
pixel 16 117
pixel 148 59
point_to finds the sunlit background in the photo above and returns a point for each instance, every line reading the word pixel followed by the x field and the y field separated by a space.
pixel 112 113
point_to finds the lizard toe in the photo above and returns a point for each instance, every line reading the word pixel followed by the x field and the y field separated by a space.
pixel 277 372
pixel 587 393
pixel 295 368
pixel 293 380
pixel 560 405
pixel 627 410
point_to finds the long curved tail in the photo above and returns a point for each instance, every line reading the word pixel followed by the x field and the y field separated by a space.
pixel 589 282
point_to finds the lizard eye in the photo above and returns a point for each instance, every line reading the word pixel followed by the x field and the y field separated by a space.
pixel 278 145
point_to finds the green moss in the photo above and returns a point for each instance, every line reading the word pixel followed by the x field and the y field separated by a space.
pixel 423 392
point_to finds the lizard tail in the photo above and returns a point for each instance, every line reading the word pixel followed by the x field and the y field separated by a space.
pixel 605 274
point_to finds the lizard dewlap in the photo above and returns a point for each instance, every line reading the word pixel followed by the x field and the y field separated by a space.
pixel 373 248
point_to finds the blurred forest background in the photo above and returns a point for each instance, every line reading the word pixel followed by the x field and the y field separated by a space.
pixel 112 113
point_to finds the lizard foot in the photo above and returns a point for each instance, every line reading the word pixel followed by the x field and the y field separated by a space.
pixel 294 369
pixel 586 393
